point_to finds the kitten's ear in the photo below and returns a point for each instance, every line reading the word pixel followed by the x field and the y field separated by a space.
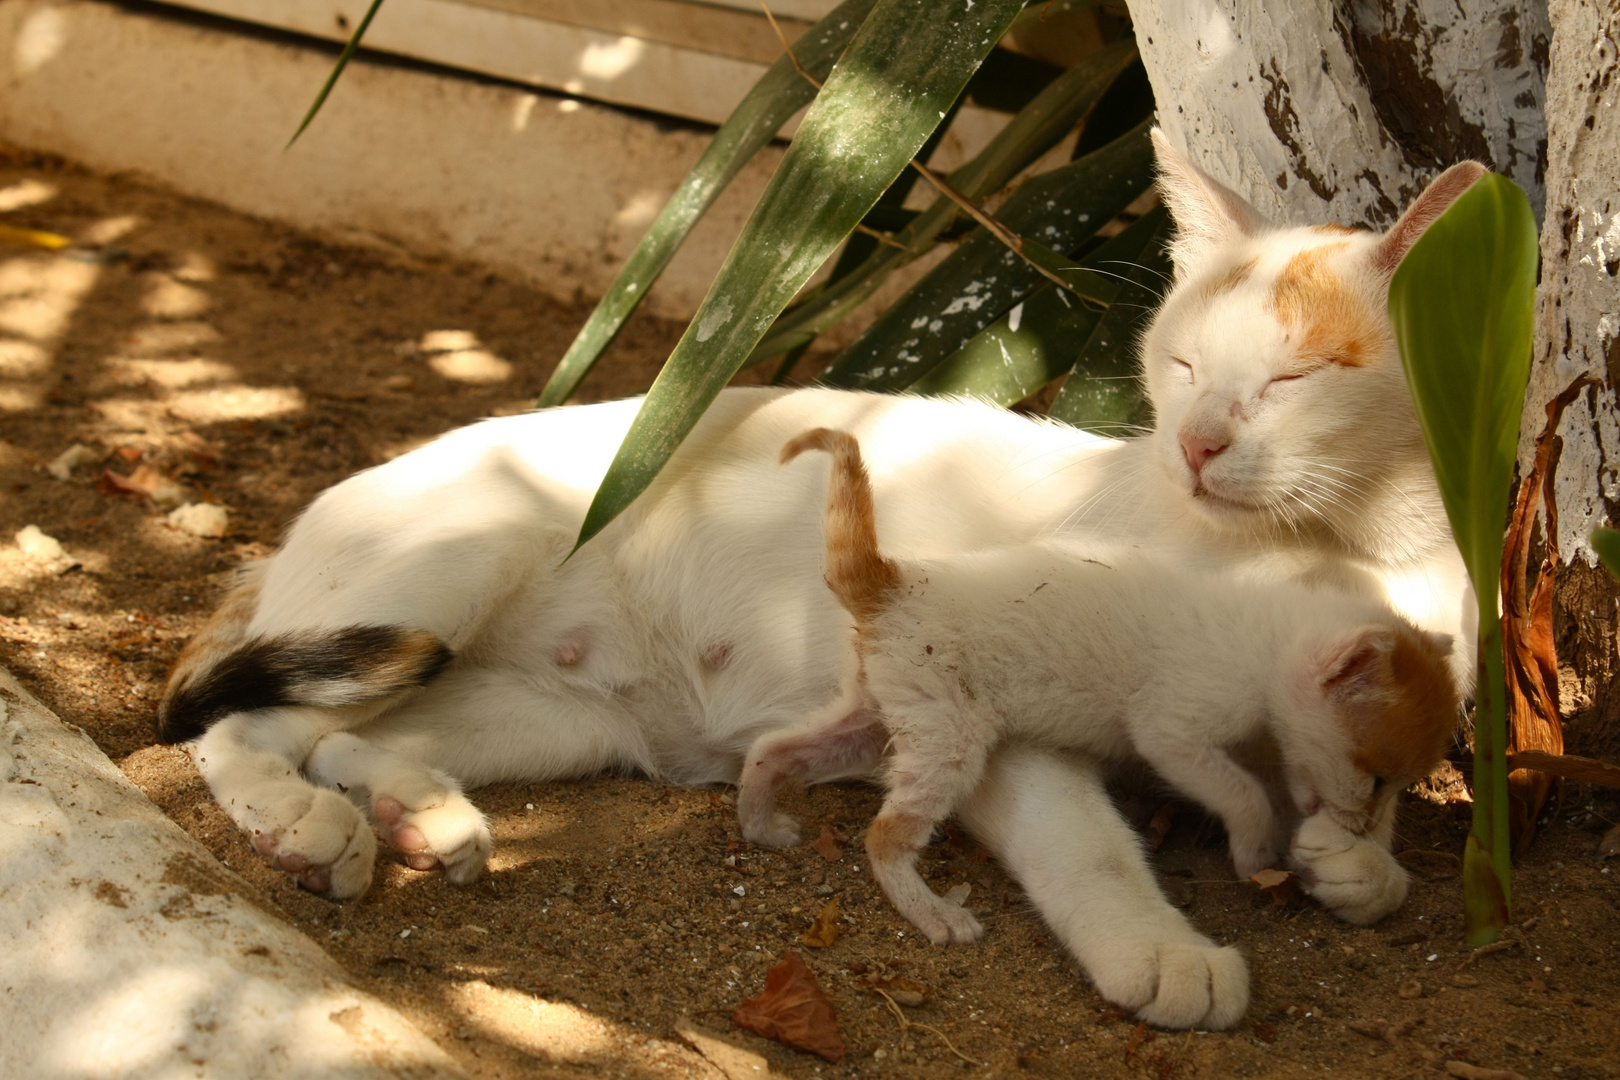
pixel 1358 663
pixel 1436 199
pixel 1207 212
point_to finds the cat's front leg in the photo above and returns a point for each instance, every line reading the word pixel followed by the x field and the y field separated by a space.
pixel 1355 877
pixel 422 811
pixel 1208 775
pixel 251 763
pixel 1051 823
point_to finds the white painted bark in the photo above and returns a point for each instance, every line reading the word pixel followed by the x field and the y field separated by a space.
pixel 130 952
pixel 1578 303
pixel 1318 111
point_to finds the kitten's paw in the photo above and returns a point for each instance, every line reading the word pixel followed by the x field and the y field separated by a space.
pixel 1352 876
pixel 440 828
pixel 773 831
pixel 317 836
pixel 944 922
pixel 1252 855
pixel 1191 983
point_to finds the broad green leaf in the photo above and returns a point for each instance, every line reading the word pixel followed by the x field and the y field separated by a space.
pixel 780 92
pixel 337 69
pixel 1462 305
pixel 1040 338
pixel 1036 129
pixel 982 278
pixel 882 100
pixel 1103 392
pixel 1606 542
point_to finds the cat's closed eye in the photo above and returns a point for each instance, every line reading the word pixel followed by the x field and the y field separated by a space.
pixel 1182 368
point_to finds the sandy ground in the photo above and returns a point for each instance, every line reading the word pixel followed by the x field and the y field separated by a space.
pixel 255 366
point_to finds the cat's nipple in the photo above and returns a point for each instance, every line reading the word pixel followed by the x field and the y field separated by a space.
pixel 570 653
pixel 716 656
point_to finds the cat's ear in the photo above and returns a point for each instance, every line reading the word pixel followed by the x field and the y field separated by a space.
pixel 1436 199
pixel 1207 212
pixel 1358 664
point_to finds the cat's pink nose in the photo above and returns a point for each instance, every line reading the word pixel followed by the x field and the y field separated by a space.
pixel 1199 450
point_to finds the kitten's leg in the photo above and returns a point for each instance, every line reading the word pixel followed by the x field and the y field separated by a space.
pixel 1051 823
pixel 1354 877
pixel 250 761
pixel 847 733
pixel 1208 775
pixel 927 780
pixel 421 810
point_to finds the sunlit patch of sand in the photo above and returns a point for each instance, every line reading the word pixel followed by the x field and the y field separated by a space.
pixel 169 374
pixel 459 355
pixel 39 293
pixel 162 339
pixel 22 359
pixel 235 403
pixel 109 230
pixel 559 1032
pixel 20 398
pixel 167 298
pixel 26 193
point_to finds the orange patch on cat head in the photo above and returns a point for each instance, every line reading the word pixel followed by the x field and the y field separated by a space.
pixel 1337 230
pixel 1331 322
pixel 1228 280
pixel 1403 731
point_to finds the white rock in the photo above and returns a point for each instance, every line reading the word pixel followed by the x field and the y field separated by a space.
pixel 70 459
pixel 39 547
pixel 131 952
pixel 200 519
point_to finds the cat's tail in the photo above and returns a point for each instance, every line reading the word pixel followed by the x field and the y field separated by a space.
pixel 858 574
pixel 223 670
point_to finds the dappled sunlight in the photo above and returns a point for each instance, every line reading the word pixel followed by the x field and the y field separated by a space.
pixel 641 209
pixel 549 1029
pixel 39 294
pixel 26 193
pixel 22 359
pixel 40 40
pixel 170 374
pixel 225 403
pixel 609 61
pixel 167 298
pixel 459 355
pixel 109 230
pixel 14 399
pixel 164 338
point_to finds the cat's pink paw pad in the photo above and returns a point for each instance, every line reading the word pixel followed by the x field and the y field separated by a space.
pixel 450 833
pixel 319 838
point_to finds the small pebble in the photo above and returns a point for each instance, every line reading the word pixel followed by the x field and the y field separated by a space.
pixel 68 460
pixel 1410 989
pixel 200 519
pixel 39 547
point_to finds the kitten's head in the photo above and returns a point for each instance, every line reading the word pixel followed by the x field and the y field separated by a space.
pixel 1279 397
pixel 1374 710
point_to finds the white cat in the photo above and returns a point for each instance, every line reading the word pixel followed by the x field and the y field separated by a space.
pixel 419 630
pixel 1112 655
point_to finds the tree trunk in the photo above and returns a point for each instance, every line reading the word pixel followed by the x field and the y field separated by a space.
pixel 1324 111
pixel 1578 332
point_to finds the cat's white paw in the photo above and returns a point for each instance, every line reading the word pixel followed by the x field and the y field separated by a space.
pixel 438 828
pixel 1252 854
pixel 774 831
pixel 317 836
pixel 942 921
pixel 1350 875
pixel 1185 982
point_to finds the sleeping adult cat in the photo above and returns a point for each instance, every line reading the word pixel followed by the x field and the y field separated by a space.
pixel 419 632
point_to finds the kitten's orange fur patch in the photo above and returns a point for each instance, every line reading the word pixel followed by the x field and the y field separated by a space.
pixel 1407 739
pixel 225 629
pixel 1228 280
pixel 858 574
pixel 892 837
pixel 1334 324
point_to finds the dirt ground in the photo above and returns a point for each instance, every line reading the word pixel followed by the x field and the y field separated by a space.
pixel 256 366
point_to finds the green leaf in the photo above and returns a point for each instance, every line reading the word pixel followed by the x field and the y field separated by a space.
pixel 882 100
pixel 1103 392
pixel 1006 363
pixel 1462 307
pixel 1036 129
pixel 337 69
pixel 982 278
pixel 1606 542
pixel 780 92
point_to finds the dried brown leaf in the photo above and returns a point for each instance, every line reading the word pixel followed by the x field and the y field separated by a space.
pixel 826 845
pixel 1159 826
pixel 793 1011
pixel 1283 886
pixel 1465 1071
pixel 824 930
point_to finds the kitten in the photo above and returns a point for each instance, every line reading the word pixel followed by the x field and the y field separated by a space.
pixel 419 632
pixel 1109 655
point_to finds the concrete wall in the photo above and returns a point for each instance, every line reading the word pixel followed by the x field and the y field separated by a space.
pixel 555 188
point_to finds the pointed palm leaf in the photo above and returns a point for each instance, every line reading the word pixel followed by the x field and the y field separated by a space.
pixel 882 100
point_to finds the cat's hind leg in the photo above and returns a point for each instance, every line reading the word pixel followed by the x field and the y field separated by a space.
pixel 421 810
pixel 1050 822
pixel 927 779
pixel 250 761
pixel 845 736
